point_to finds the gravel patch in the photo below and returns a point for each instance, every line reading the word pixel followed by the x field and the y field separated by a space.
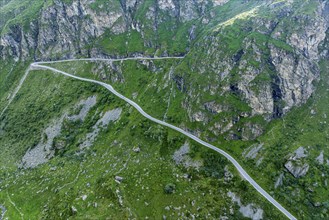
pixel 299 153
pixel 320 158
pixel 181 157
pixel 112 115
pixel 279 181
pixel 252 153
pixel 248 211
pixel 43 151
pixel 85 106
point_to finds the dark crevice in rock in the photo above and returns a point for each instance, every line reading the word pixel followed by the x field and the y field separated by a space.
pixel 123 5
pixel 180 82
pixel 235 89
pixel 156 23
pixel 177 11
pixel 270 64
pixel 35 28
pixel 277 97
pixel 237 57
pixel 79 27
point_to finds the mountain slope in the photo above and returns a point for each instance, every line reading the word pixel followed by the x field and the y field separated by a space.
pixel 253 82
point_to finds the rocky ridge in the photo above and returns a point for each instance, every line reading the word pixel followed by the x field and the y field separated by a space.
pixel 273 66
pixel 67 29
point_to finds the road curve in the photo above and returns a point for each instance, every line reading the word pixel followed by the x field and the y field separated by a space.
pixel 138 108
pixel 81 59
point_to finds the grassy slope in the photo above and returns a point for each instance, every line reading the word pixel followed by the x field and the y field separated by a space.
pixel 287 135
pixel 301 127
pixel 281 139
pixel 37 193
pixel 20 12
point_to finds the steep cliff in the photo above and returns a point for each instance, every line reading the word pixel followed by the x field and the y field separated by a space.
pixel 80 28
pixel 249 47
pixel 270 59
pixel 264 61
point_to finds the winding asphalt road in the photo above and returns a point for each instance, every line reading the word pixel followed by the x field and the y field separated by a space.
pixel 138 108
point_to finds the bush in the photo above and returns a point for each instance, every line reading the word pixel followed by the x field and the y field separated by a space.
pixel 169 188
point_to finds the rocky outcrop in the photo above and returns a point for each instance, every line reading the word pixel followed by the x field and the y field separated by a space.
pixel 228 176
pixel 107 117
pixel 298 154
pixel 295 164
pixel 295 76
pixel 272 64
pixel 251 131
pixel 214 107
pixel 314 32
pixel 250 211
pixel 45 149
pixel 219 2
pixel 297 170
pixel 108 71
pixel 252 151
pixel 279 181
pixel 181 157
pixel 320 158
pixel 67 29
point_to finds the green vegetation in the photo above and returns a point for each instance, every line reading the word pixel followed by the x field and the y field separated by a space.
pixel 20 12
pixel 169 188
pixel 82 185
pixel 285 136
pixel 129 171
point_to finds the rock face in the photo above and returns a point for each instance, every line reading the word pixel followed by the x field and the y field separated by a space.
pixel 181 157
pixel 260 61
pixel 320 158
pixel 107 117
pixel 295 163
pixel 252 151
pixel 249 211
pixel 272 65
pixel 295 77
pixel 45 149
pixel 297 171
pixel 63 29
